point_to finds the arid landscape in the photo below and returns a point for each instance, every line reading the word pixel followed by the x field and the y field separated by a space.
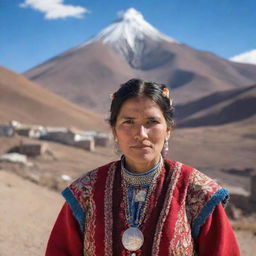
pixel 30 194
pixel 31 199
pixel 215 102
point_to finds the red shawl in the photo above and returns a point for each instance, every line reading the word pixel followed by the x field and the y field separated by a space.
pixel 179 205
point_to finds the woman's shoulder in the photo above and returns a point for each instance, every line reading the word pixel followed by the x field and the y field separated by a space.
pixel 90 177
pixel 196 178
pixel 198 184
pixel 82 189
pixel 173 164
pixel 201 193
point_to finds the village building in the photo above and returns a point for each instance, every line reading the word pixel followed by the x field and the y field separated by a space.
pixel 6 130
pixel 33 150
pixel 58 134
pixel 102 139
pixel 30 131
pixel 70 137
pixel 86 143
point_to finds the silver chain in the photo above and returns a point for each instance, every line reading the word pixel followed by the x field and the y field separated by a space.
pixel 139 181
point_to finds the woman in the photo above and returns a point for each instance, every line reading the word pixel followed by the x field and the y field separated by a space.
pixel 143 204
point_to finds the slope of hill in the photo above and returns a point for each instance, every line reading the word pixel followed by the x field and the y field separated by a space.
pixel 86 76
pixel 131 47
pixel 219 108
pixel 25 101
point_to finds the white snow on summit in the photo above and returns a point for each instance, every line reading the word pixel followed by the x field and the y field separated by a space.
pixel 127 35
pixel 247 57
pixel 130 26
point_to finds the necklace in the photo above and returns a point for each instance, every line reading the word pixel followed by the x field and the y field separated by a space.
pixel 143 185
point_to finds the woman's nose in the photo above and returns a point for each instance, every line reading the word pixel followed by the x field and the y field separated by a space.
pixel 141 132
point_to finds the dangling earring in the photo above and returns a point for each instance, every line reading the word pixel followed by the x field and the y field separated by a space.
pixel 116 147
pixel 165 149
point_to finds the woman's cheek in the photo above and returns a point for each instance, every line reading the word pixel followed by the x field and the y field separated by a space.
pixel 158 132
pixel 125 131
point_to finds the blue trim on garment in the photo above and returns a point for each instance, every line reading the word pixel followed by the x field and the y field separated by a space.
pixel 76 208
pixel 219 196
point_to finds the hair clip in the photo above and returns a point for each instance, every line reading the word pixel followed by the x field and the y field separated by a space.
pixel 166 93
pixel 112 96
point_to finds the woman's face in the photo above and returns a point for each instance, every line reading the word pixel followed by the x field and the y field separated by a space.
pixel 141 131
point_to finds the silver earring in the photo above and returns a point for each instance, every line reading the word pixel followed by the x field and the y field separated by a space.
pixel 116 147
pixel 165 149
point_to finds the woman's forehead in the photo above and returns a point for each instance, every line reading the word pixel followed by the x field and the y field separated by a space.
pixel 140 106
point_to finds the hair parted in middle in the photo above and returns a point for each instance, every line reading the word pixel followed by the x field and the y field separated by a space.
pixel 159 93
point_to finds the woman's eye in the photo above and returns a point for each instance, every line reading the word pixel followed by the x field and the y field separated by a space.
pixel 153 121
pixel 128 121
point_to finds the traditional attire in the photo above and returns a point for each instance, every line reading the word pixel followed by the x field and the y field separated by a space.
pixel 172 209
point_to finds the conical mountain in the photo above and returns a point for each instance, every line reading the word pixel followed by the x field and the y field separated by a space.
pixel 131 37
pixel 131 47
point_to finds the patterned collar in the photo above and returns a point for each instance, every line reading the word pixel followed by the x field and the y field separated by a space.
pixel 140 179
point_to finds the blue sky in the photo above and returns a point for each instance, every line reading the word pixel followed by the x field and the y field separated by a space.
pixel 33 31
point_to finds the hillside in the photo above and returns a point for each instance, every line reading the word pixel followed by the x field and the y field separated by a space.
pixel 25 101
pixel 218 108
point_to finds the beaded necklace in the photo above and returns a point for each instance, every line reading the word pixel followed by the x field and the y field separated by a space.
pixel 143 185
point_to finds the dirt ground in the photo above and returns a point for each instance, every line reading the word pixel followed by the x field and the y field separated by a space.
pixel 28 211
pixel 27 214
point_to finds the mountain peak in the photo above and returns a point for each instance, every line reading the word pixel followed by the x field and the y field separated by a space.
pixel 130 15
pixel 131 36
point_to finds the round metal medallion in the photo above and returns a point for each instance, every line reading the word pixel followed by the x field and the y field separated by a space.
pixel 132 239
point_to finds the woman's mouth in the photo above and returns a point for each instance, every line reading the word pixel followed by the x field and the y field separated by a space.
pixel 141 146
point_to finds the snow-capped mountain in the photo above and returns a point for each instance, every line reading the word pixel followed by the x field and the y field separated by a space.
pixel 247 57
pixel 131 36
pixel 130 47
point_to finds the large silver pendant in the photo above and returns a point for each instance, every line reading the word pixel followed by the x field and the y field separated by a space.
pixel 132 239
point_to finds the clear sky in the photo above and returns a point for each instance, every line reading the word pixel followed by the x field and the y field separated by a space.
pixel 33 31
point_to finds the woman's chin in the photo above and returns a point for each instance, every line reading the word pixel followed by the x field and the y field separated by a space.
pixel 143 158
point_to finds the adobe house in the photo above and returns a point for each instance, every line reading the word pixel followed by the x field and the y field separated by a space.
pixel 31 150
pixel 59 134
pixel 29 132
pixel 102 139
pixel 6 130
pixel 70 137
pixel 86 143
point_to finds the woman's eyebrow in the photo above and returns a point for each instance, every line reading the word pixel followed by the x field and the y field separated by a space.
pixel 148 118
pixel 127 117
pixel 153 117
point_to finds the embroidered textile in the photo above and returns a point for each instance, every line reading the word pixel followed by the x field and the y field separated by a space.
pixel 179 205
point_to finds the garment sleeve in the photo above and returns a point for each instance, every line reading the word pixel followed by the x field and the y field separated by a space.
pixel 66 237
pixel 216 237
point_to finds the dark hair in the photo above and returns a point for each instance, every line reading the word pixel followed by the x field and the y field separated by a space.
pixel 136 87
